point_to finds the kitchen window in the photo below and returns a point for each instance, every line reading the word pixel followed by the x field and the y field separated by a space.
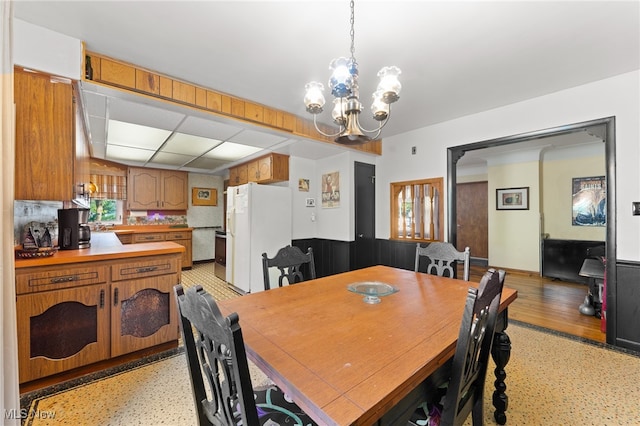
pixel 417 210
pixel 106 212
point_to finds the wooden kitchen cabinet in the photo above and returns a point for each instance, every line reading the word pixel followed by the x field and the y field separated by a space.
pixel 74 315
pixel 45 145
pixel 238 175
pixel 185 239
pixel 143 308
pixel 49 342
pixel 268 169
pixel 153 189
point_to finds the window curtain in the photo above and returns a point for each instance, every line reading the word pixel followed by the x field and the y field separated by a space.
pixel 10 398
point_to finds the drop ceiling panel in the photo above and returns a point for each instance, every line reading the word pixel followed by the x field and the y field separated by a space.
pixel 135 136
pixel 126 154
pixel 146 115
pixel 95 103
pixel 181 143
pixel 169 159
pixel 230 151
pixel 258 139
pixel 207 128
pixel 206 163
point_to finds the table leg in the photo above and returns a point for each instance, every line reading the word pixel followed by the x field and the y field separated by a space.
pixel 500 352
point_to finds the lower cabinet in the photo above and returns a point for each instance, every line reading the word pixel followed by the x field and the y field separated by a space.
pixel 62 329
pixel 66 321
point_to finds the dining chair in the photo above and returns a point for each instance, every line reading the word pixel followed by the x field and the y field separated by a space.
pixel 289 260
pixel 219 370
pixel 465 389
pixel 442 258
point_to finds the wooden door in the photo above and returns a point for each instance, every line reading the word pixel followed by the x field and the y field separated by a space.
pixel 365 218
pixel 143 189
pixel 143 314
pixel 174 190
pixel 44 151
pixel 472 218
pixel 62 329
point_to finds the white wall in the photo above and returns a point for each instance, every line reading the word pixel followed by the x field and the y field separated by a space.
pixel 45 50
pixel 616 96
pixel 304 218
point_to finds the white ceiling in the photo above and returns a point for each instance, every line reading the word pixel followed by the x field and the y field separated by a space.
pixel 457 58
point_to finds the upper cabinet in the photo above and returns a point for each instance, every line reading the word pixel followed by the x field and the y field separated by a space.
pixel 267 169
pixel 153 189
pixel 45 142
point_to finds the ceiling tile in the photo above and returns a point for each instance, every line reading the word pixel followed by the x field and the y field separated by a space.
pixel 125 153
pixel 231 151
pixel 135 135
pixel 143 114
pixel 207 128
pixel 170 159
pixel 259 139
pixel 206 163
pixel 182 143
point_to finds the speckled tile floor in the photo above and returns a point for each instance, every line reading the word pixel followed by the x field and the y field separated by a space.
pixel 552 379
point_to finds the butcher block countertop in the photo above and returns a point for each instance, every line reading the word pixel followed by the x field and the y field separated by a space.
pixel 104 246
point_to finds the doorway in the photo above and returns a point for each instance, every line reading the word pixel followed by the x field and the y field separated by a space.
pixel 605 127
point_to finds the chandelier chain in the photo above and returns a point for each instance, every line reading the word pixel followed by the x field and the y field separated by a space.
pixel 352 32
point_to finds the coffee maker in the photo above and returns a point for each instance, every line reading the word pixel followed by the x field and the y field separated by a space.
pixel 73 231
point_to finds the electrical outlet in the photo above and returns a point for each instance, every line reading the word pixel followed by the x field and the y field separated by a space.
pixel 413 150
pixel 635 208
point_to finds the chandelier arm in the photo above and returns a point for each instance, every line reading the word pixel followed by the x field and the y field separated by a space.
pixel 315 124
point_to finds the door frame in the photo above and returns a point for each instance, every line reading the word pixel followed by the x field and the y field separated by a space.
pixel 609 138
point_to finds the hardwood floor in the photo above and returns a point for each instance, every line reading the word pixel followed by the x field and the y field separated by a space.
pixel 548 303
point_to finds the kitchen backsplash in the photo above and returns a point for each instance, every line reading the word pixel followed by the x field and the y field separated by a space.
pixel 25 212
pixel 157 219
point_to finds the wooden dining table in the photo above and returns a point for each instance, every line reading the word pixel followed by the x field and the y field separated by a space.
pixel 348 362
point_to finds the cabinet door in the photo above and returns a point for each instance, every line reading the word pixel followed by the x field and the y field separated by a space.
pixel 174 190
pixel 253 171
pixel 238 175
pixel 143 189
pixel 184 238
pixel 62 329
pixel 143 313
pixel 44 151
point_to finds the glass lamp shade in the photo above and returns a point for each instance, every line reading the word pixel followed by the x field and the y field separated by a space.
pixel 389 84
pixel 339 111
pixel 341 79
pixel 379 108
pixel 313 98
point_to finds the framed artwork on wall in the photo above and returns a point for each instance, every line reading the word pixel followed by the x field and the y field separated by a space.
pixel 512 198
pixel 204 196
pixel 589 201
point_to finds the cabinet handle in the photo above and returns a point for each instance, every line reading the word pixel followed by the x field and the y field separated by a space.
pixel 147 269
pixel 66 279
pixel 115 297
pixel 101 299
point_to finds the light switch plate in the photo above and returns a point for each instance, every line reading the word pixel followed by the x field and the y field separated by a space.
pixel 635 210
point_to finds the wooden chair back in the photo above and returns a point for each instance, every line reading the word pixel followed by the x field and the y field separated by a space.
pixel 465 393
pixel 290 261
pixel 442 259
pixel 216 355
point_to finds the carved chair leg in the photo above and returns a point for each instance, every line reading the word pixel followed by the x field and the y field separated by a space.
pixel 500 352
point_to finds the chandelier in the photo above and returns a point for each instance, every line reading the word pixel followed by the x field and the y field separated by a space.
pixel 346 104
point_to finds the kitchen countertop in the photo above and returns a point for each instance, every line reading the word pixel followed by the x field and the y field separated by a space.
pixel 143 229
pixel 104 246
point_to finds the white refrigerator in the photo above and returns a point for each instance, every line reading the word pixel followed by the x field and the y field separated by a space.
pixel 258 221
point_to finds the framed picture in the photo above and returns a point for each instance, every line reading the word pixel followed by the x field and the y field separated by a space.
pixel 204 196
pixel 589 201
pixel 310 202
pixel 331 190
pixel 303 185
pixel 512 198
